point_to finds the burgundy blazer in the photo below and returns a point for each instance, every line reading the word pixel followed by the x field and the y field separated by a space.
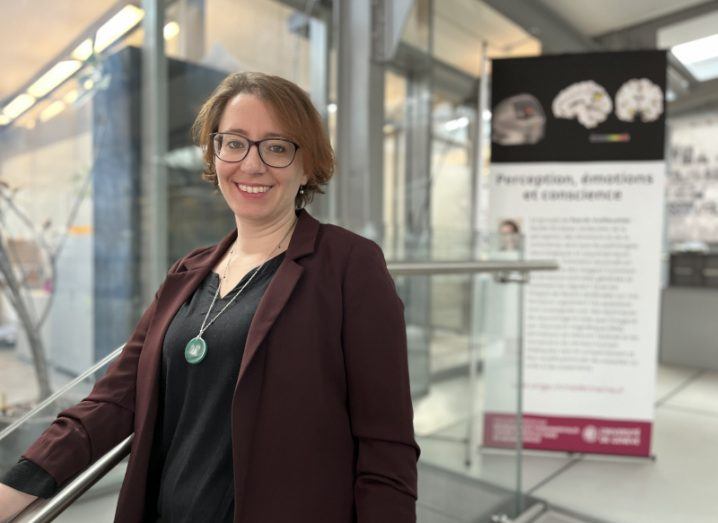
pixel 321 415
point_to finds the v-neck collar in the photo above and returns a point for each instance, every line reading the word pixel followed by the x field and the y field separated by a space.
pixel 214 277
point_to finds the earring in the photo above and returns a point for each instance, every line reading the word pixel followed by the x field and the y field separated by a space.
pixel 301 189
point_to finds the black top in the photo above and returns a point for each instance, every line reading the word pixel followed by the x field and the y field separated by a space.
pixel 191 474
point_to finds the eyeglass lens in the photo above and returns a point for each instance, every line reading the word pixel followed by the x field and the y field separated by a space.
pixel 275 152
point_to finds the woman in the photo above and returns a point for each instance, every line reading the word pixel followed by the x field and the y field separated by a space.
pixel 267 382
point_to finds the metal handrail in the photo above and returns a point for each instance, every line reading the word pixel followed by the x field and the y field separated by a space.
pixel 469 267
pixel 43 511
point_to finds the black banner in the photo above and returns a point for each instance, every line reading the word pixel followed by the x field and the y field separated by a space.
pixel 579 107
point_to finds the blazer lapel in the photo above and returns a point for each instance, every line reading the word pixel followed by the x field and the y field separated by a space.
pixel 280 288
pixel 271 304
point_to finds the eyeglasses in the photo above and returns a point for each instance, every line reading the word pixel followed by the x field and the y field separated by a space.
pixel 233 148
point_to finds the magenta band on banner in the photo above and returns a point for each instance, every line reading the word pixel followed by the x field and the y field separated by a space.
pixel 590 435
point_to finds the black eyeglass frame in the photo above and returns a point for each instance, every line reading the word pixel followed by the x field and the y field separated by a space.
pixel 259 150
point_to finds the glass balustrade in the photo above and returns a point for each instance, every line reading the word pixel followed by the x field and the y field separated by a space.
pixel 464 346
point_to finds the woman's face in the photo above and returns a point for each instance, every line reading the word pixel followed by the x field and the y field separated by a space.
pixel 249 116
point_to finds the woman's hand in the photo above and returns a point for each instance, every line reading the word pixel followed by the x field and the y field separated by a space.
pixel 12 502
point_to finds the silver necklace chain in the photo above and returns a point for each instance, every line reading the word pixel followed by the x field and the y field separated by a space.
pixel 204 327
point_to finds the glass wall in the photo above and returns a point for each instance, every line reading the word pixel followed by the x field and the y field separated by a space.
pixel 57 132
pixel 455 408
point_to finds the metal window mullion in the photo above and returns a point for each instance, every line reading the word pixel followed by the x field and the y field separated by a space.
pixel 153 190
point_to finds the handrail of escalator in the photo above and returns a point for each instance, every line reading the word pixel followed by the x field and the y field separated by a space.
pixel 45 510
pixel 59 392
pixel 42 511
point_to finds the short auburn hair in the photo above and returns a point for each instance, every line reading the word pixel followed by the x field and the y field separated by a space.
pixel 292 108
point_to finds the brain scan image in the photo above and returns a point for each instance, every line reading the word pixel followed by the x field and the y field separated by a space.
pixel 518 120
pixel 639 97
pixel 586 101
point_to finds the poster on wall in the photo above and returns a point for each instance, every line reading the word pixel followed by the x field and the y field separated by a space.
pixel 692 185
pixel 578 161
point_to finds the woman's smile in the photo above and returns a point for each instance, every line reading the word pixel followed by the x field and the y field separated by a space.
pixel 253 192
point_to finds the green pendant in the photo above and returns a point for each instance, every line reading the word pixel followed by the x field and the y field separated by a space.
pixel 195 350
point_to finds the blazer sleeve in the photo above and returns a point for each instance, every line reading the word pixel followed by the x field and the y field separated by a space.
pixel 379 396
pixel 86 431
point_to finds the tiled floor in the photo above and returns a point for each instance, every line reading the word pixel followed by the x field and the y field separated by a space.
pixel 681 485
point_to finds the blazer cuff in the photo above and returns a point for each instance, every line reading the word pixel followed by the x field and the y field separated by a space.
pixel 30 478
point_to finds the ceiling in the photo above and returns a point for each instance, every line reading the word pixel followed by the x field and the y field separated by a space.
pixel 49 26
pixel 33 32
pixel 593 18
pixel 461 26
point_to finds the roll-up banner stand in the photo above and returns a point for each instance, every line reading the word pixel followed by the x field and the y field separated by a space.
pixel 578 167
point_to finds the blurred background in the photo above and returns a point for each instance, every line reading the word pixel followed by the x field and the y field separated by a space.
pixel 100 192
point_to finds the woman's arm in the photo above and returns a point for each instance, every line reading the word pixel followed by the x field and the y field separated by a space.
pixel 12 502
pixel 86 431
pixel 375 352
